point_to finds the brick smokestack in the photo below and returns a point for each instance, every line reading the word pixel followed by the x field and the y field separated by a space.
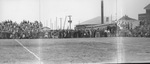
pixel 102 12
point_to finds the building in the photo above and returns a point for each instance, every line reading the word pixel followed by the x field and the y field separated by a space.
pixel 95 23
pixel 145 17
pixel 126 22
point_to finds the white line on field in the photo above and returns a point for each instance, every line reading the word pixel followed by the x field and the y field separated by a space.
pixel 28 50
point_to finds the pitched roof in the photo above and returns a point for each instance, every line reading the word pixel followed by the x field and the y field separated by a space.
pixel 147 7
pixel 126 18
pixel 96 20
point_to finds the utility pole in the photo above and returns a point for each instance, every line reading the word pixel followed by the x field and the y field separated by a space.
pixel 50 23
pixel 46 23
pixel 65 22
pixel 111 19
pixel 39 11
pixel 56 23
pixel 60 23
pixel 116 11
pixel 70 21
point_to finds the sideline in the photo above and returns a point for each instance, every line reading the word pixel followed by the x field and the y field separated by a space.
pixel 28 50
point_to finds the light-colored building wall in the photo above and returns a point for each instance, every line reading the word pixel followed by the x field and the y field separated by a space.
pixel 127 22
pixel 131 23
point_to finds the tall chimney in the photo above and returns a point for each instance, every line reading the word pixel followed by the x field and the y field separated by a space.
pixel 102 12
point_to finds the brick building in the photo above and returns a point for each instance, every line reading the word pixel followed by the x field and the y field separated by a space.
pixel 145 17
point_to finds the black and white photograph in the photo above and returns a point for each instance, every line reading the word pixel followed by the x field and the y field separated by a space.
pixel 74 31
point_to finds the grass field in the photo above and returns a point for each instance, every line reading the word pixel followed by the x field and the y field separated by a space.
pixel 78 50
pixel 136 50
pixel 57 51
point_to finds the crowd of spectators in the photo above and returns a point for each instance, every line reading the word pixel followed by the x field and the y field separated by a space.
pixel 141 31
pixel 10 29
pixel 80 33
pixel 30 30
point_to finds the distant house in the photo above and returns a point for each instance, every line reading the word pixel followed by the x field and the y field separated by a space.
pixel 127 22
pixel 95 23
pixel 145 17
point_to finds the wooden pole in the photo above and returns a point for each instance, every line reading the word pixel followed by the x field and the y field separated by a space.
pixel 60 23
pixel 56 24
pixel 70 21
pixel 65 22
pixel 50 23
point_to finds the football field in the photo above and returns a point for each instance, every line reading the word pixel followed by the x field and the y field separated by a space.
pixel 136 50
pixel 74 50
pixel 57 51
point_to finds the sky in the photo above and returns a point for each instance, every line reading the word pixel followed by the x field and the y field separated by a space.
pixel 47 11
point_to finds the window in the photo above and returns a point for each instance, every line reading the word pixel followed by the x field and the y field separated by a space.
pixel 107 19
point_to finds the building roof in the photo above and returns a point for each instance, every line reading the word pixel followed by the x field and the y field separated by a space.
pixel 147 7
pixel 96 20
pixel 127 18
pixel 45 28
